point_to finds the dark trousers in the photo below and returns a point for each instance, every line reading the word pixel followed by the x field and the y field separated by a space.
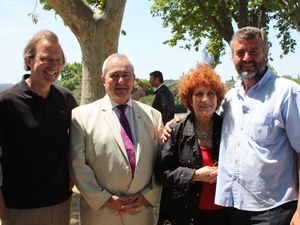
pixel 202 217
pixel 211 217
pixel 280 215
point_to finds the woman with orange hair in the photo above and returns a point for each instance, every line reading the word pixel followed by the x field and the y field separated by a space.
pixel 187 165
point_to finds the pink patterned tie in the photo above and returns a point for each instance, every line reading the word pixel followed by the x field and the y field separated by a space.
pixel 127 137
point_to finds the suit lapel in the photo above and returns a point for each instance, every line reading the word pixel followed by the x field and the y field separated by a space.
pixel 113 125
pixel 139 126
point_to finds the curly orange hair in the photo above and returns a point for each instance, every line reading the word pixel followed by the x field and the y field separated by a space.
pixel 201 75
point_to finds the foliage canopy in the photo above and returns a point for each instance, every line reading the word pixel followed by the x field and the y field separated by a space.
pixel 70 78
pixel 195 21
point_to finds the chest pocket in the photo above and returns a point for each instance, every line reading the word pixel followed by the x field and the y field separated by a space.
pixel 264 131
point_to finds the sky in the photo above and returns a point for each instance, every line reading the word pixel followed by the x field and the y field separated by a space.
pixel 143 43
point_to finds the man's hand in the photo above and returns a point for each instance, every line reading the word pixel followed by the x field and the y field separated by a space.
pixel 296 218
pixel 115 202
pixel 141 84
pixel 167 130
pixel 137 201
pixel 126 204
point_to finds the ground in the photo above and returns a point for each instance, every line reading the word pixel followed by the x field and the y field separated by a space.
pixel 75 209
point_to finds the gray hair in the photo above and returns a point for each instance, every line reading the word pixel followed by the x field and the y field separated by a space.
pixel 248 33
pixel 30 48
pixel 115 56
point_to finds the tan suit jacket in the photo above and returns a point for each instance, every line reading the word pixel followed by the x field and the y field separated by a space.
pixel 100 166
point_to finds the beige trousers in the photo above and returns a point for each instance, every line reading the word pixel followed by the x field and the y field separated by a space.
pixel 52 215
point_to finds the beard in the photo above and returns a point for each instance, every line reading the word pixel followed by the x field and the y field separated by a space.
pixel 250 75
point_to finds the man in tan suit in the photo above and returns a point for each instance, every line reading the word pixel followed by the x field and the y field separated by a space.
pixel 116 185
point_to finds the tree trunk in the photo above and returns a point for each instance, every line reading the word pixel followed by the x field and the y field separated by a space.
pixel 297 17
pixel 98 37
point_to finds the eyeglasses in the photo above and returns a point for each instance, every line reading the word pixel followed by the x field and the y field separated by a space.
pixel 116 77
pixel 50 61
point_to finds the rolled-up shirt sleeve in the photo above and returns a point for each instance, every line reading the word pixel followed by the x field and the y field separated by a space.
pixel 292 115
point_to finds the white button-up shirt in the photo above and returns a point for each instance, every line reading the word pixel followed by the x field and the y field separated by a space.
pixel 260 136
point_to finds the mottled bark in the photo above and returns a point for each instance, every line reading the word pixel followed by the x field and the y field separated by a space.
pixel 98 37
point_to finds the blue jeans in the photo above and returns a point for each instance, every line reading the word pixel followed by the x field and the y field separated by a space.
pixel 280 215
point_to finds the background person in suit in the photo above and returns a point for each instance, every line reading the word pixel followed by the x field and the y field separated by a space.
pixel 116 185
pixel 164 99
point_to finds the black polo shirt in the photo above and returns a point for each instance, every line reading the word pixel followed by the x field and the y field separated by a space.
pixel 34 136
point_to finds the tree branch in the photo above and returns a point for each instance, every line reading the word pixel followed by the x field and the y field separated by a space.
pixel 243 13
pixel 225 30
pixel 227 21
pixel 72 12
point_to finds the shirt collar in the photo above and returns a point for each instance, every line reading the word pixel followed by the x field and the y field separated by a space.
pixel 28 92
pixel 259 85
pixel 114 104
pixel 263 81
pixel 159 86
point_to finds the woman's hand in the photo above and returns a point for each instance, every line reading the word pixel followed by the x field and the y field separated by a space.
pixel 206 174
